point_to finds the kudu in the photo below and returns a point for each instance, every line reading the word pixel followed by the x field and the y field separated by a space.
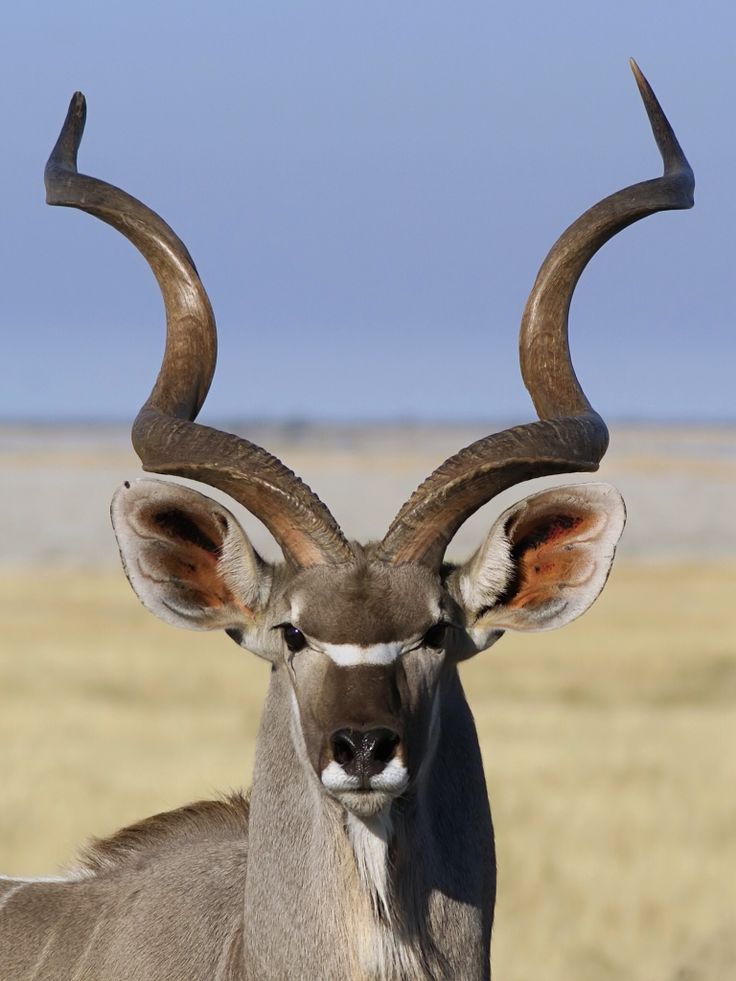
pixel 365 847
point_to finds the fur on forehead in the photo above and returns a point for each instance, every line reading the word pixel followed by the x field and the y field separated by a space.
pixel 365 602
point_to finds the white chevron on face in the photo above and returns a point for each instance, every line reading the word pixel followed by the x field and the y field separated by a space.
pixel 350 655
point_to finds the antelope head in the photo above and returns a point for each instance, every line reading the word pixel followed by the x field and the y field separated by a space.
pixel 361 637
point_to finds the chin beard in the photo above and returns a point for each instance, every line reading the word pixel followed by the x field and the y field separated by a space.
pixel 365 803
pixel 374 797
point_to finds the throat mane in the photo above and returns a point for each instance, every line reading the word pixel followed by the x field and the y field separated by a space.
pixel 370 839
pixel 386 951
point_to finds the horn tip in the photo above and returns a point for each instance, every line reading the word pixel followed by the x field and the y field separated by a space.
pixel 675 161
pixel 641 81
pixel 75 119
pixel 63 158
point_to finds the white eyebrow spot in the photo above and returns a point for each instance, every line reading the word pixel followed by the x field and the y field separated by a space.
pixel 350 655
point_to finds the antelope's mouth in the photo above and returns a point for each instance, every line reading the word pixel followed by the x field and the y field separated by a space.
pixel 363 795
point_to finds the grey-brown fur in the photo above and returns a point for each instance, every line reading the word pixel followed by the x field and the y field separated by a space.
pixel 386 603
pixel 443 856
pixel 128 912
pixel 201 881
pixel 208 820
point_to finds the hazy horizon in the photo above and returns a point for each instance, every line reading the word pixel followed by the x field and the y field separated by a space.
pixel 344 421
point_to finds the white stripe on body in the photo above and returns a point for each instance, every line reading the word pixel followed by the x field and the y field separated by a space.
pixel 75 875
pixel 4 900
pixel 80 970
pixel 44 955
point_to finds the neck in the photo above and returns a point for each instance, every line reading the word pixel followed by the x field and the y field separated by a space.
pixel 408 893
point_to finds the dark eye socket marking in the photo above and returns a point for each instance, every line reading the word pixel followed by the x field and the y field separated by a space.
pixel 293 637
pixel 436 636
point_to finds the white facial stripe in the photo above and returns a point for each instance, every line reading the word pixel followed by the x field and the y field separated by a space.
pixel 350 655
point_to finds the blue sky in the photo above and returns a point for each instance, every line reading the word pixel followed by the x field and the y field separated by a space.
pixel 368 190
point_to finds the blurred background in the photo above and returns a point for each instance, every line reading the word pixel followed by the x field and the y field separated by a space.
pixel 368 192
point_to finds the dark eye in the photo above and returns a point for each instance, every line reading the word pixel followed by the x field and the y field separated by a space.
pixel 436 636
pixel 294 638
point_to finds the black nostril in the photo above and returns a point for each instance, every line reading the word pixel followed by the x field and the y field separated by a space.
pixel 343 746
pixel 384 745
pixel 364 753
pixel 378 748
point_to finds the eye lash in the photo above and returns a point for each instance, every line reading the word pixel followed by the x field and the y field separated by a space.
pixel 293 637
pixel 440 631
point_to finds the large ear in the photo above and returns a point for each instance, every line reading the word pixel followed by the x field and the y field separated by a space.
pixel 187 558
pixel 543 563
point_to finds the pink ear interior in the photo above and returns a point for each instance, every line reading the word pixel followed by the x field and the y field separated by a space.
pixel 549 551
pixel 184 548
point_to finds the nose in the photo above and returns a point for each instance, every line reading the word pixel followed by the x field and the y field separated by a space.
pixel 364 753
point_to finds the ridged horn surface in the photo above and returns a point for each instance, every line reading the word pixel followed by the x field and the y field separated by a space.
pixel 569 436
pixel 165 436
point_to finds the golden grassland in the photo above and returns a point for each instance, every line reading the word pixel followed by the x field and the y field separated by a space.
pixel 609 752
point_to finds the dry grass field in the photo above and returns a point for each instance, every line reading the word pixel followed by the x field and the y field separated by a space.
pixel 609 749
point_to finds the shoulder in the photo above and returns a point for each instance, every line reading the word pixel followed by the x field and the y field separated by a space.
pixel 201 824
